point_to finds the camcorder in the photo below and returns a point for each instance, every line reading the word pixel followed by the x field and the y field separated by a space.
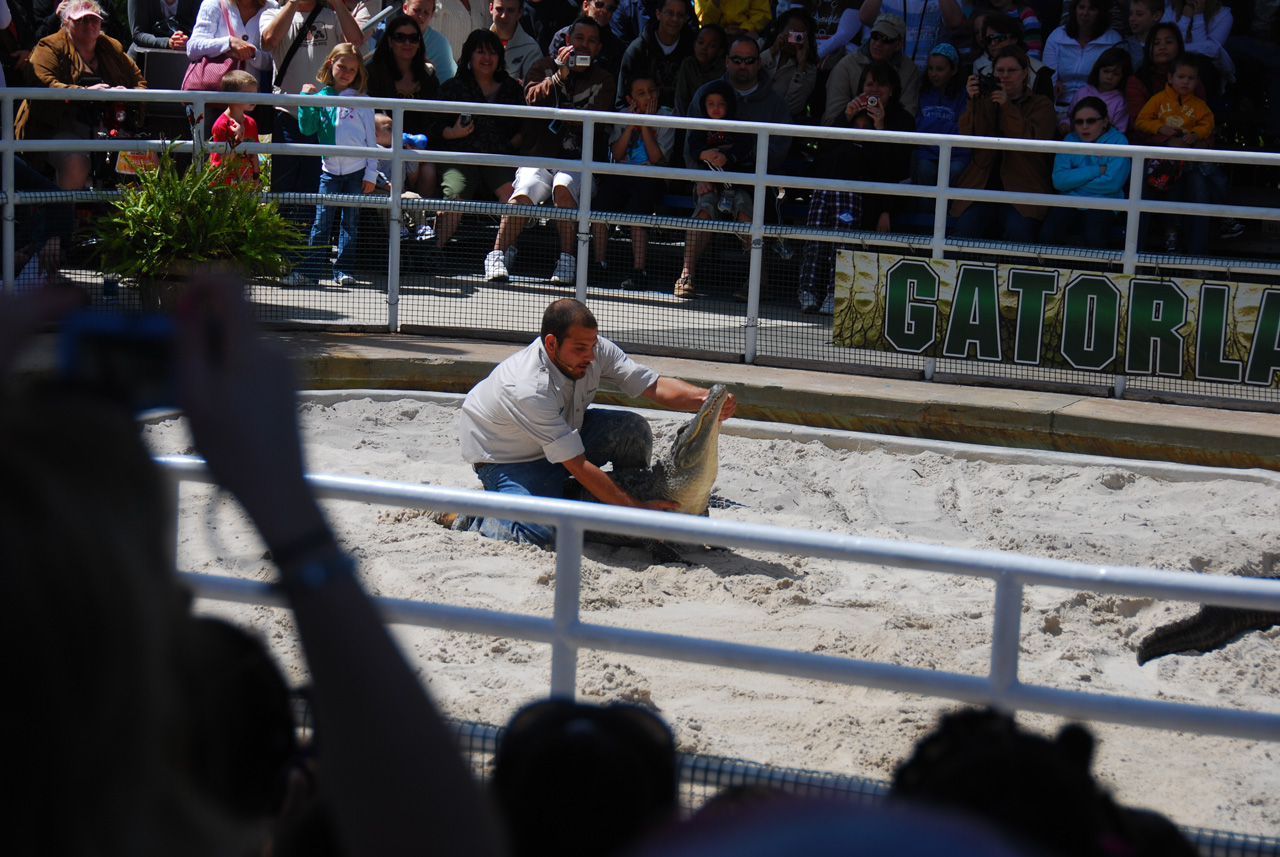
pixel 577 60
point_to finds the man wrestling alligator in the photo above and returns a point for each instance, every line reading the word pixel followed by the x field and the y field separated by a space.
pixel 527 428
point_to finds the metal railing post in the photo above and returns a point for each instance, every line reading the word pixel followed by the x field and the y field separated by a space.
pixel 584 211
pixel 1133 216
pixel 393 226
pixel 564 655
pixel 938 244
pixel 1006 630
pixel 6 128
pixel 750 343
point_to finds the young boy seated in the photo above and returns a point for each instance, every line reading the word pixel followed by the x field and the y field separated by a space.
pixel 236 126
pixel 1178 118
pixel 382 184
pixel 633 144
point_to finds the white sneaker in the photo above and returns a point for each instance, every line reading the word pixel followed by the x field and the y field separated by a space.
pixel 495 266
pixel 808 303
pixel 828 306
pixel 296 279
pixel 566 270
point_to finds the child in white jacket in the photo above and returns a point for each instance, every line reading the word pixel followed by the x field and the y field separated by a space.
pixel 343 73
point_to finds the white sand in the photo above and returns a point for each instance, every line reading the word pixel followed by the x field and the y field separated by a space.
pixel 1069 639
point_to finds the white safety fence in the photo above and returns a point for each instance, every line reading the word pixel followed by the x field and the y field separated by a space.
pixel 566 633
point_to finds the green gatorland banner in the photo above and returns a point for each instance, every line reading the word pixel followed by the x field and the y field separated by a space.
pixel 1059 319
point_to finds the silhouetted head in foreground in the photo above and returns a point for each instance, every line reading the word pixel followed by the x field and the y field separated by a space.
pixel 574 779
pixel 981 764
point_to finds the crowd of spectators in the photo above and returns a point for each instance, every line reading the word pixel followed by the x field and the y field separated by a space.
pixel 985 67
pixel 174 734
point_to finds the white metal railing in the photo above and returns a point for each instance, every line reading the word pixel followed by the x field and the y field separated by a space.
pixel 759 180
pixel 567 633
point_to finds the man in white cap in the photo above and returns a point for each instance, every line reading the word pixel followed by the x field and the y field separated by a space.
pixel 885 45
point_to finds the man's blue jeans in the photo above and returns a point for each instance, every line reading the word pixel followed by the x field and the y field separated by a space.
pixel 620 437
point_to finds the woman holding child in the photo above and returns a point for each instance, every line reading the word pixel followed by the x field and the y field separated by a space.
pixel 482 78
pixel 1011 110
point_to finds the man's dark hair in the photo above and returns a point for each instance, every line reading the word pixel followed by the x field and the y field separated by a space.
pixel 742 38
pixel 586 19
pixel 564 314
pixel 1005 25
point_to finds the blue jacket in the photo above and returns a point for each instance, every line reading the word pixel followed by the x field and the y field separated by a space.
pixel 1080 175
pixel 939 114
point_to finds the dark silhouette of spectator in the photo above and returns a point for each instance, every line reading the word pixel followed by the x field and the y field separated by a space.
pixel 579 780
pixel 1041 791
pixel 103 715
pixel 705 65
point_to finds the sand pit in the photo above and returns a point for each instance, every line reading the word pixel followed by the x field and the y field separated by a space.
pixel 1070 639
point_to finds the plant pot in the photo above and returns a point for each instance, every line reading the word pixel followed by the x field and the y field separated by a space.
pixel 161 294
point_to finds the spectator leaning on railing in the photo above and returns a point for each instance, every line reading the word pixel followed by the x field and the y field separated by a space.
pixel 1087 175
pixel 554 83
pixel 78 56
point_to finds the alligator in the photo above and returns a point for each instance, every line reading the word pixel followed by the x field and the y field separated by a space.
pixel 1212 627
pixel 685 474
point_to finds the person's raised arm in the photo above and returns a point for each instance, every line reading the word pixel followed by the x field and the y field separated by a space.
pixel 276 28
pixel 682 396
pixel 395 781
pixel 347 22
pixel 869 11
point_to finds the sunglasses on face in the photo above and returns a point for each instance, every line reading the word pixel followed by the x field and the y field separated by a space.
pixel 883 39
pixel 744 60
pixel 404 38
pixel 1087 120
pixel 608 7
pixel 997 38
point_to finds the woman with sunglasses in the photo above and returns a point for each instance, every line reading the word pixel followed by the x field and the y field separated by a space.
pixel 1077 174
pixel 1010 110
pixel 399 69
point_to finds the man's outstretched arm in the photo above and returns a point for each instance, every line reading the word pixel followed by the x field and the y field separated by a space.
pixel 682 396
pixel 604 489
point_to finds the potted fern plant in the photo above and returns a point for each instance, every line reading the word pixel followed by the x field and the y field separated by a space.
pixel 171 223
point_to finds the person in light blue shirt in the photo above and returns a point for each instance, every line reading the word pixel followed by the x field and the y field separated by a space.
pixel 1078 174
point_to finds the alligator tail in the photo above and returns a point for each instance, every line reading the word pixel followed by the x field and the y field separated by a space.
pixel 1211 628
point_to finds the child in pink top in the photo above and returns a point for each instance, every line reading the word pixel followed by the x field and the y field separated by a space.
pixel 236 126
pixel 1107 80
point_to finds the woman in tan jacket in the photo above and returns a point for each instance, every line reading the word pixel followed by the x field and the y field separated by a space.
pixel 78 56
pixel 1009 109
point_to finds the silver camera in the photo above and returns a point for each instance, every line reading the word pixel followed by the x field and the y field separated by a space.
pixel 872 101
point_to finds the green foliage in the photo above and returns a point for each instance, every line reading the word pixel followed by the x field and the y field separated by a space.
pixel 171 215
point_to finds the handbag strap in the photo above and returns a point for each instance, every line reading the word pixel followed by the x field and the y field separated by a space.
pixel 297 43
pixel 226 16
